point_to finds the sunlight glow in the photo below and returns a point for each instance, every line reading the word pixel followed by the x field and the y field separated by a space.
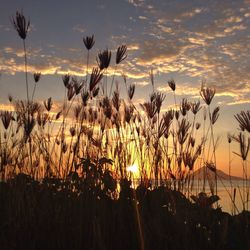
pixel 134 169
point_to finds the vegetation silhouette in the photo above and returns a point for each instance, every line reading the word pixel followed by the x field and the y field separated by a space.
pixel 85 213
pixel 65 178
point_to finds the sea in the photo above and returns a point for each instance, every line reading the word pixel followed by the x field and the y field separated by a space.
pixel 225 191
pixel 234 196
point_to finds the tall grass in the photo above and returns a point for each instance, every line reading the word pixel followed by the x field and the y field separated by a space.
pixel 102 172
pixel 91 125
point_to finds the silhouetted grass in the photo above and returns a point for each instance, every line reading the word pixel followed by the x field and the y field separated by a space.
pixel 65 176
pixel 73 214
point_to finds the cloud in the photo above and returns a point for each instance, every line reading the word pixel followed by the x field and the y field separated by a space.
pixel 49 65
pixel 136 3
pixel 227 94
pixel 235 28
pixel 138 101
pixel 134 74
pixel 142 83
pixel 193 12
pixel 194 40
pixel 234 19
pixel 6 107
pixel 4 28
pixel 142 17
pixel 182 89
pixel 239 102
pixel 12 66
pixel 195 49
pixel 79 28
pixel 197 41
pixel 19 52
pixel 159 52
pixel 133 47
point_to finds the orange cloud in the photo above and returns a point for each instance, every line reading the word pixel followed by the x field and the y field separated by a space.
pixel 6 107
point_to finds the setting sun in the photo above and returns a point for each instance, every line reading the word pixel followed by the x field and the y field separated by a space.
pixel 134 169
pixel 125 124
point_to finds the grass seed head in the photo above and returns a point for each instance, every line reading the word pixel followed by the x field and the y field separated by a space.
pixel 171 84
pixel 103 59
pixel 121 54
pixel 177 114
pixel 128 113
pixel 71 91
pixel 37 76
pixel 20 24
pixel 29 124
pixel 72 131
pixel 195 107
pixel 58 115
pixel 159 98
pixel 182 131
pixel 78 85
pixel 131 91
pixel 6 117
pixel 95 92
pixel 197 125
pixel 48 104
pixel 107 108
pixel 116 100
pixel 66 80
pixel 149 108
pixel 95 78
pixel 89 42
pixel 243 119
pixel 215 115
pixel 10 98
pixel 184 107
pixel 77 110
pixel 207 94
pixel 244 143
pixel 85 97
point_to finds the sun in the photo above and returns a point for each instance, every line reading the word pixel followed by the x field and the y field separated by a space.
pixel 134 169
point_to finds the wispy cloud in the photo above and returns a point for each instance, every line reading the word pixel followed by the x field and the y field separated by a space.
pixel 238 102
pixel 182 90
pixel 142 83
pixel 6 107
pixel 4 27
pixel 79 28
pixel 187 39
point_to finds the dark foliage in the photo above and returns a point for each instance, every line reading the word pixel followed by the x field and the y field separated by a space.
pixel 81 214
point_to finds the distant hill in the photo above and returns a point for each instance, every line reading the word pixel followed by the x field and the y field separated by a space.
pixel 198 174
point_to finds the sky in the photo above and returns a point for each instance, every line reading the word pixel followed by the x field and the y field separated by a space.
pixel 189 41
